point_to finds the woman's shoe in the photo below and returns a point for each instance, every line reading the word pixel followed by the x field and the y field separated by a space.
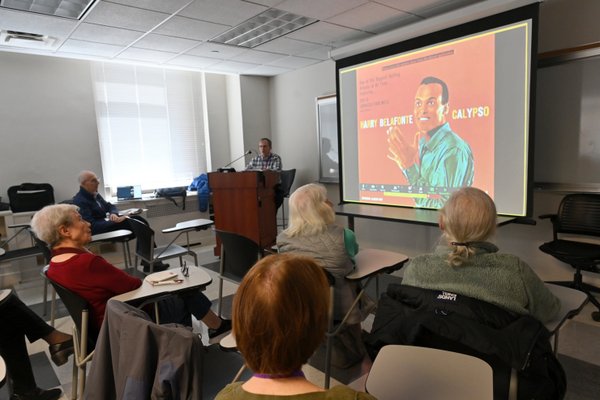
pixel 38 394
pixel 60 352
pixel 224 327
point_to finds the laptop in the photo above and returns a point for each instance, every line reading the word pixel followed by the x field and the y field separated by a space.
pixel 129 192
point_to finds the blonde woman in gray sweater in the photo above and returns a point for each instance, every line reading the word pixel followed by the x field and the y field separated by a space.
pixel 470 265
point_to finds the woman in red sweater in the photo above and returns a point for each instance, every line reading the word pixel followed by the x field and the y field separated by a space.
pixel 95 279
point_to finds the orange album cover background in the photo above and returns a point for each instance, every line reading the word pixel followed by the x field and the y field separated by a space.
pixel 385 94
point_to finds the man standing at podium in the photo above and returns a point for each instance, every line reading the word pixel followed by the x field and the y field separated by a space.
pixel 267 160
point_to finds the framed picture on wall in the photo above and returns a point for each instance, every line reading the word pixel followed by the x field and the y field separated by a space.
pixel 328 140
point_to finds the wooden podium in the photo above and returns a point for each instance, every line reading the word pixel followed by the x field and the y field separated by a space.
pixel 244 203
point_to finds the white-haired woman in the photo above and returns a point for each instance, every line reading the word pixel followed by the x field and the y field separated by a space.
pixel 95 279
pixel 312 232
pixel 470 265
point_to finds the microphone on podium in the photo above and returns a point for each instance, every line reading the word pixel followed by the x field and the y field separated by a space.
pixel 225 169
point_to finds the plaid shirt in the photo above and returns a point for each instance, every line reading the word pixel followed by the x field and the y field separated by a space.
pixel 272 161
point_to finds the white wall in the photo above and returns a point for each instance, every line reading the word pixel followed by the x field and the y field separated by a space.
pixel 256 111
pixel 293 117
pixel 294 133
pixel 47 122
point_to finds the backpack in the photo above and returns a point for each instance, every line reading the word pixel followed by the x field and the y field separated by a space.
pixel 169 193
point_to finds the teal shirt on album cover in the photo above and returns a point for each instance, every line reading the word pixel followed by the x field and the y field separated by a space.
pixel 446 161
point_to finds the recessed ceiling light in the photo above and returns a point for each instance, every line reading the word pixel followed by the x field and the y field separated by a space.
pixel 73 9
pixel 262 28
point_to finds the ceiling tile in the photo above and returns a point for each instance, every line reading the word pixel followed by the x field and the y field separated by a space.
pixel 216 50
pixel 294 62
pixel 268 3
pixel 320 53
pixel 165 43
pixel 441 7
pixel 318 8
pixel 119 16
pixel 193 61
pixel 190 28
pixel 145 55
pixel 227 12
pixel 36 23
pixel 328 34
pixel 267 70
pixel 232 67
pixel 89 48
pixel 105 34
pixel 257 57
pixel 408 5
pixel 285 45
pixel 168 6
pixel 373 17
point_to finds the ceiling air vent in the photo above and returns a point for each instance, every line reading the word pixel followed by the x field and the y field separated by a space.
pixel 26 39
pixel 74 9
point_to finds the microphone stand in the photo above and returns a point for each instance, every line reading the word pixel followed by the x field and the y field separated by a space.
pixel 225 169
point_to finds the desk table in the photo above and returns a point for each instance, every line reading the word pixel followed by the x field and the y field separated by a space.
pixel 120 235
pixel 572 302
pixel 197 279
pixel 187 227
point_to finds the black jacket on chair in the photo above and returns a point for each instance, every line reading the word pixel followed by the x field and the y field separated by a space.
pixel 431 318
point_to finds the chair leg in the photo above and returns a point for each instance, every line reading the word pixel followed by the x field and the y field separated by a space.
pixel 220 296
pixel 74 379
pixel 45 312
pixel 53 307
pixel 125 255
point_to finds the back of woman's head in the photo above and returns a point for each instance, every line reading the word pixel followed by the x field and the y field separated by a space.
pixel 280 313
pixel 45 223
pixel 310 212
pixel 468 216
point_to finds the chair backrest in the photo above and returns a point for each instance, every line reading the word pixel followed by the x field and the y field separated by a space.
pixel 145 239
pixel 30 196
pixel 412 372
pixel 158 361
pixel 579 214
pixel 287 179
pixel 238 254
pixel 75 305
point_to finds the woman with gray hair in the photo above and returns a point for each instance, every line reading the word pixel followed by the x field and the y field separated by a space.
pixel 312 232
pixel 95 279
pixel 468 264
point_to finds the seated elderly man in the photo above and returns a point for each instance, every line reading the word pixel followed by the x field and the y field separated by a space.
pixel 102 215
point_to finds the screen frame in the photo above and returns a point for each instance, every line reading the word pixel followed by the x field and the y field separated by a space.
pixel 528 12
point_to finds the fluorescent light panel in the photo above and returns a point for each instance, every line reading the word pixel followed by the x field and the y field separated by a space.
pixel 73 9
pixel 262 28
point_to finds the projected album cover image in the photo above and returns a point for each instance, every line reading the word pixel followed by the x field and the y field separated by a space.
pixel 426 124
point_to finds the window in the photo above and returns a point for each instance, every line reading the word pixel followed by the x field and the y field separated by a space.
pixel 150 125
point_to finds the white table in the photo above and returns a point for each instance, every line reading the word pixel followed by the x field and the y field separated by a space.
pixel 411 372
pixel 572 302
pixel 198 279
pixel 187 227
pixel 120 235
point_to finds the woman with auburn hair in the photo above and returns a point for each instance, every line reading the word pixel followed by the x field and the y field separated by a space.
pixel 470 265
pixel 279 319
